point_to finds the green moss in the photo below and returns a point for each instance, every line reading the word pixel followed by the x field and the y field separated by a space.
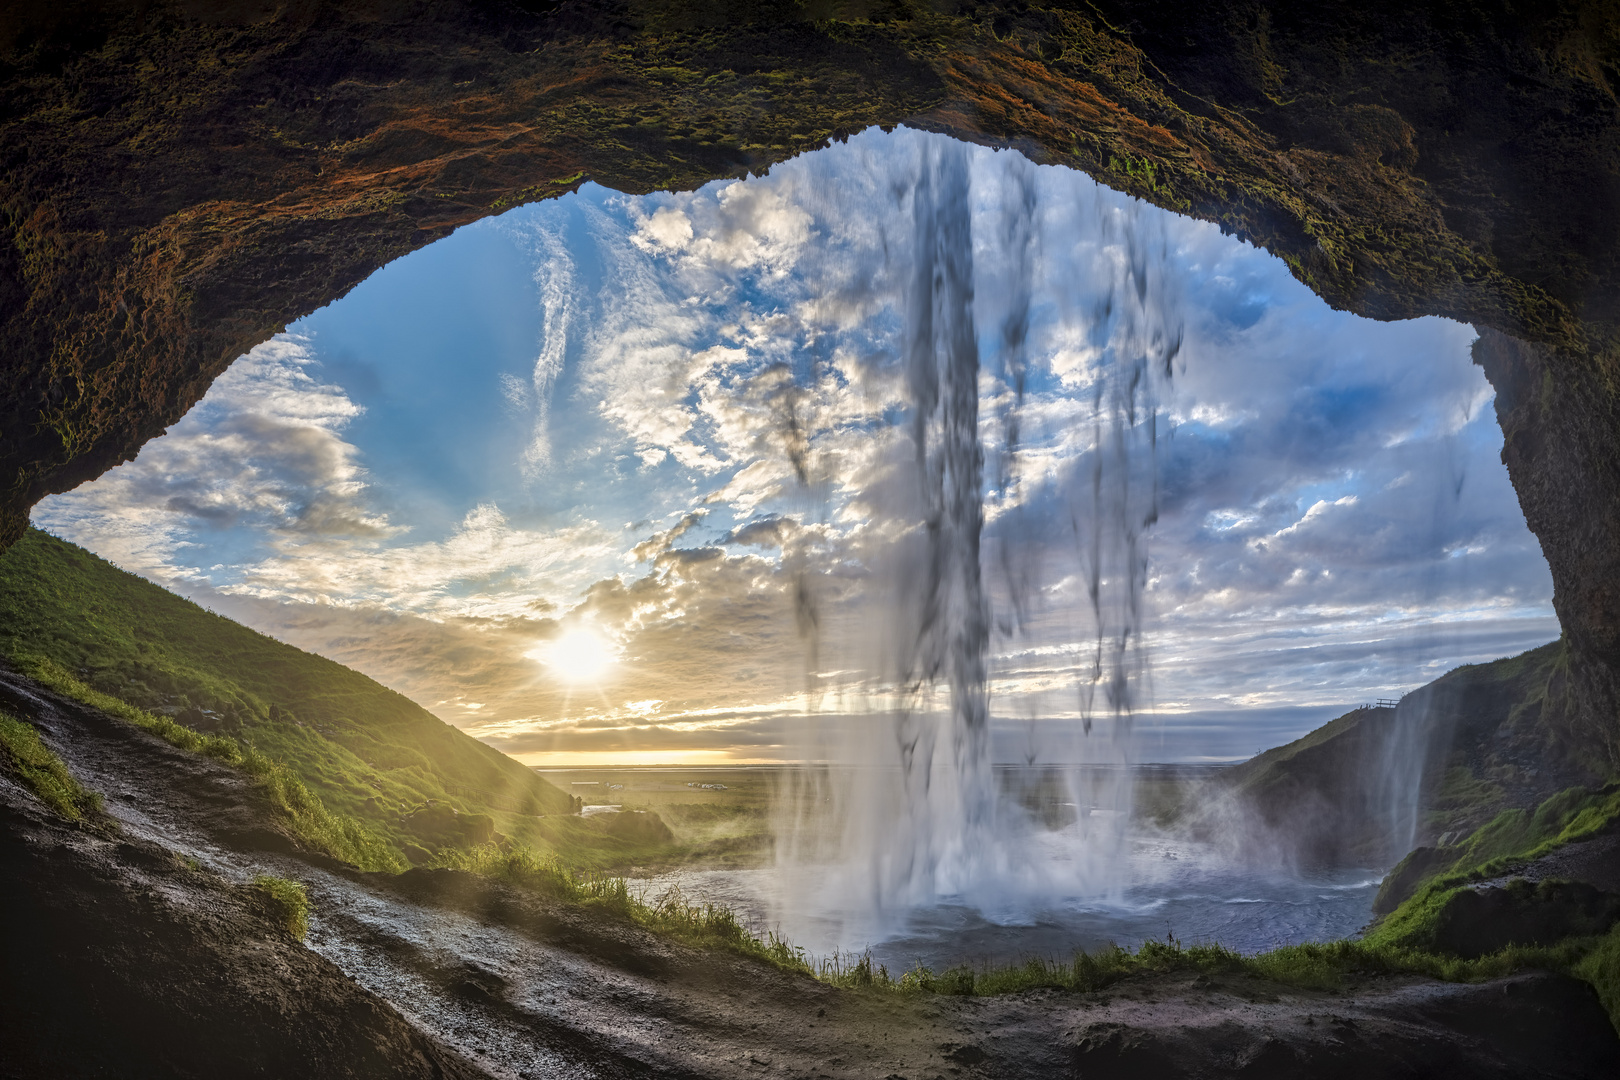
pixel 1515 837
pixel 1510 840
pixel 291 901
pixel 1601 968
pixel 42 772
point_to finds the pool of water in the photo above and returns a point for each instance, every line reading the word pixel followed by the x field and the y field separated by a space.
pixel 1164 888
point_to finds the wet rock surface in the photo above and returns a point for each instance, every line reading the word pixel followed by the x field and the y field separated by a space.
pixel 1480 921
pixel 157 948
pixel 1595 861
pixel 120 959
pixel 1496 1030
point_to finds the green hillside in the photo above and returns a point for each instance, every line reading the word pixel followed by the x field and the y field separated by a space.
pixel 1481 732
pixel 368 752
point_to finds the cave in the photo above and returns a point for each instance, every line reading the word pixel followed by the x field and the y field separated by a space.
pixel 183 179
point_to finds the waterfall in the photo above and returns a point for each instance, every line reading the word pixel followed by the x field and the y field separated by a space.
pixel 911 811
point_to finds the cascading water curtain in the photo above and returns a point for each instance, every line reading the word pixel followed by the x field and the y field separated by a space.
pixel 917 814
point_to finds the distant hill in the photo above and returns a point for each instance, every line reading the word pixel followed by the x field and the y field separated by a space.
pixel 1449 758
pixel 367 751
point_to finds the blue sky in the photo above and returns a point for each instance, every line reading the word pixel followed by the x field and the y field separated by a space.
pixel 540 475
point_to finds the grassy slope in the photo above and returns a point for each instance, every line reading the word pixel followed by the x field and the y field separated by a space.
pixel 368 752
pixel 1489 752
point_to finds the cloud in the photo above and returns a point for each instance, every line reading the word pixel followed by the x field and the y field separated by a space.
pixel 262 453
pixel 659 543
pixel 730 226
pixel 261 459
pixel 556 284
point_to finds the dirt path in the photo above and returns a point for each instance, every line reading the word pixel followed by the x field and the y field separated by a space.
pixel 483 979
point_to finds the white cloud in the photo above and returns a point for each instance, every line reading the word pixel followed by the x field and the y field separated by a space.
pixel 668 229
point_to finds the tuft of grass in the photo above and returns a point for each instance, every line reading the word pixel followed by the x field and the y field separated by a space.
pixel 1087 972
pixel 1325 966
pixel 1601 968
pixel 291 901
pixel 714 926
pixel 538 872
pixel 43 773
pixel 308 819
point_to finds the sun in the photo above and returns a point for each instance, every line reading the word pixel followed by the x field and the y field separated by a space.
pixel 580 655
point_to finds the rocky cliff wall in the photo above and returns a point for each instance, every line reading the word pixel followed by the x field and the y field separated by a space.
pixel 181 178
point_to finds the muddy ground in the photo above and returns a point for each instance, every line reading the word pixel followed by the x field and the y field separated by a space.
pixel 144 951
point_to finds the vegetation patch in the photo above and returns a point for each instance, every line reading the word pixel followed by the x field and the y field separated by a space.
pixel 672 916
pixel 27 758
pixel 290 900
pixel 1506 842
pixel 1325 966
pixel 1601 968
pixel 300 809
pixel 1443 917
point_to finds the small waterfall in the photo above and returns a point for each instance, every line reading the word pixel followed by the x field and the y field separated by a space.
pixel 911 811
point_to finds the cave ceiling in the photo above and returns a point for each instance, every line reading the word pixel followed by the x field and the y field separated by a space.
pixel 182 179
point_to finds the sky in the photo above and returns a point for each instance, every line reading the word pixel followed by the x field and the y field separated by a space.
pixel 632 479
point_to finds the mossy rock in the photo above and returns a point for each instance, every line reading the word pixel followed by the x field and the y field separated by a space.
pixel 1478 922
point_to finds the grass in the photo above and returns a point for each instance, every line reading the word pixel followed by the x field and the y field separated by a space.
pixel 1399 945
pixel 291 901
pixel 27 758
pixel 1514 835
pixel 1324 966
pixel 672 916
pixel 1327 966
pixel 1601 968
pixel 303 812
